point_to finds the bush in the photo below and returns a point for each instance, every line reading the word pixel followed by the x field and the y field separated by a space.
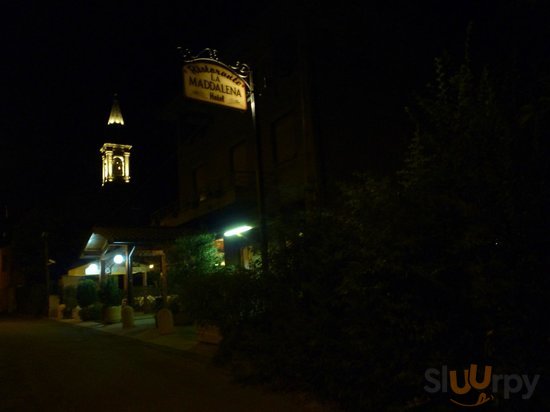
pixel 92 312
pixel 109 293
pixel 202 298
pixel 191 256
pixel 86 293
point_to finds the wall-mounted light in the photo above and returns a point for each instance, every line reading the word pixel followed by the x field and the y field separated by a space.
pixel 92 269
pixel 118 259
pixel 151 266
pixel 237 231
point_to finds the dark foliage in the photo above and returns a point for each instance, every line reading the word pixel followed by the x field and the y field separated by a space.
pixel 109 292
pixel 86 293
pixel 93 312
pixel 444 264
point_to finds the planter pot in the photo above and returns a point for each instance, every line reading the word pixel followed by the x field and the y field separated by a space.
pixel 76 314
pixel 60 311
pixel 165 321
pixel 53 306
pixel 127 313
pixel 112 314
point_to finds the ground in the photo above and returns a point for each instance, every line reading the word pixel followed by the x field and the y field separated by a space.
pixel 47 365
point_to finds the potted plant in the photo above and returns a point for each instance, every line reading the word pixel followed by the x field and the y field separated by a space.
pixel 111 298
pixel 86 295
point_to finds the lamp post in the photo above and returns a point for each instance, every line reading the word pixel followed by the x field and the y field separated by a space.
pixel 46 272
pixel 260 188
pixel 130 274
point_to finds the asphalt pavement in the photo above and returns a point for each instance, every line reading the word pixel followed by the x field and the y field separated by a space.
pixel 69 366
pixel 183 338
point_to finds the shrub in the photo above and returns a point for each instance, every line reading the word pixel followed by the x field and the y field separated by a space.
pixel 201 298
pixel 92 312
pixel 225 298
pixel 86 293
pixel 109 293
pixel 190 256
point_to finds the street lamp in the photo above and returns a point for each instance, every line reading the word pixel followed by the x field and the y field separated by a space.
pixel 117 260
pixel 237 230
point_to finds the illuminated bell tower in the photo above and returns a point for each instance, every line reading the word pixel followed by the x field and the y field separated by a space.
pixel 115 157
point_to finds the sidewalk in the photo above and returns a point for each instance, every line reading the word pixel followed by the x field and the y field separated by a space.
pixel 183 338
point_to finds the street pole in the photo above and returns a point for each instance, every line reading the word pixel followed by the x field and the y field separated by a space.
pixel 164 282
pixel 47 272
pixel 130 274
pixel 260 184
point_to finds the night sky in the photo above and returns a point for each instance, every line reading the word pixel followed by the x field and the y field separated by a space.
pixel 63 61
pixel 61 65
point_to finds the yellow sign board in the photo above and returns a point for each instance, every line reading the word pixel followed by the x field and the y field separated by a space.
pixel 214 83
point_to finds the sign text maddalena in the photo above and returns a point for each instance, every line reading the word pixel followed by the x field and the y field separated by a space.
pixel 213 83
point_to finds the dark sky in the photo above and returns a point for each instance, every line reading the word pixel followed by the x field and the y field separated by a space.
pixel 62 62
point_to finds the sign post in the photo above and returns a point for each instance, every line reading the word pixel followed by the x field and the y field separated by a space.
pixel 207 79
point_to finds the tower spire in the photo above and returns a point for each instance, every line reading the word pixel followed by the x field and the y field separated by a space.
pixel 115 117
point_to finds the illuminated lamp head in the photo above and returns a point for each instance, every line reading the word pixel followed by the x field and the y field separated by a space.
pixel 92 269
pixel 237 231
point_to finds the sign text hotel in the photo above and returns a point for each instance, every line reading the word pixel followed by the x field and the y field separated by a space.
pixel 214 83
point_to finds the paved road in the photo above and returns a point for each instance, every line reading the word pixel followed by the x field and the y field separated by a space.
pixel 50 366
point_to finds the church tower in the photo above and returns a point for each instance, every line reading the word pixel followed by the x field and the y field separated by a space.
pixel 115 155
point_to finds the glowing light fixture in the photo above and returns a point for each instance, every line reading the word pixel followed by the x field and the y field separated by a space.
pixel 118 259
pixel 92 269
pixel 237 231
pixel 151 266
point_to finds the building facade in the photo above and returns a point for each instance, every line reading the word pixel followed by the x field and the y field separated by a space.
pixel 313 126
